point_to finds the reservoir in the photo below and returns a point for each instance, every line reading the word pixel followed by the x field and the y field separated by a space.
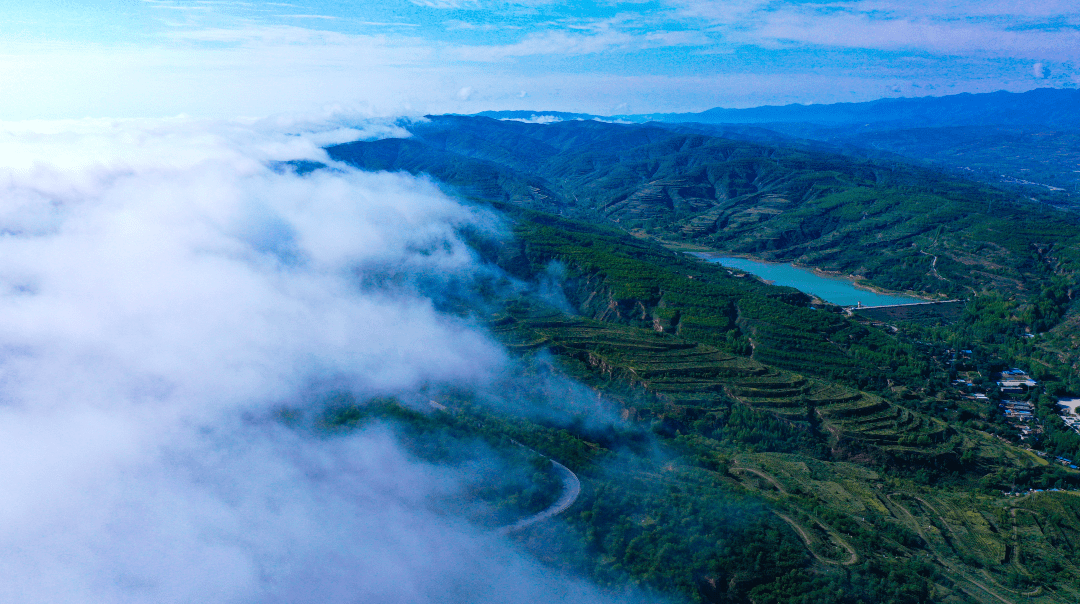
pixel 831 289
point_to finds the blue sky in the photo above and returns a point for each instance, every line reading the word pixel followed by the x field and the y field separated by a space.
pixel 128 58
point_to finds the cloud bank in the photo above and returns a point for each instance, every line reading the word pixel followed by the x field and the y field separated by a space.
pixel 163 291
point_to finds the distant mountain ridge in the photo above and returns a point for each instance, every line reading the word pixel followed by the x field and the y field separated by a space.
pixel 1020 141
pixel 1043 106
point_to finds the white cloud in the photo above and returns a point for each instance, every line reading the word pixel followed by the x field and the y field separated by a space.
pixel 447 4
pixel 326 17
pixel 534 119
pixel 848 30
pixel 1015 10
pixel 162 292
pixel 547 43
pixel 974 29
pixel 594 39
pixel 720 12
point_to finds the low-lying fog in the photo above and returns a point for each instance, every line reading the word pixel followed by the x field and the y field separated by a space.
pixel 163 291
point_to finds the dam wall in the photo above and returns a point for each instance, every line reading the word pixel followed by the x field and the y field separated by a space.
pixel 946 311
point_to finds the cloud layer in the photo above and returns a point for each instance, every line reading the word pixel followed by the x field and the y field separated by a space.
pixel 163 292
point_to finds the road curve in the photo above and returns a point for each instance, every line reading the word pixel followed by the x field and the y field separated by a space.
pixel 570 492
pixel 571 489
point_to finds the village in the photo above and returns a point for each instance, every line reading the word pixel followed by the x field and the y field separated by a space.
pixel 1012 393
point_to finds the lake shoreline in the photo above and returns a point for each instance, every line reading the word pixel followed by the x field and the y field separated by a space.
pixel 854 281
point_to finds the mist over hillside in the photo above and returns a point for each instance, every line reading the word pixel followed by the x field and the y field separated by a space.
pixel 350 359
pixel 178 314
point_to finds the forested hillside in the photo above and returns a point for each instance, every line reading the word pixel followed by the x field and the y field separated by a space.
pixel 899 226
pixel 765 448
pixel 1022 141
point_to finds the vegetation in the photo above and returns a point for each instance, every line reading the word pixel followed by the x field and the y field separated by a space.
pixel 901 227
pixel 763 449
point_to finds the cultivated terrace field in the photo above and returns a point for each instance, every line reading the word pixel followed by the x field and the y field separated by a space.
pixel 735 442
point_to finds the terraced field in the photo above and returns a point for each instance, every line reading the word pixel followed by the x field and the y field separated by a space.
pixel 990 548
pixel 690 378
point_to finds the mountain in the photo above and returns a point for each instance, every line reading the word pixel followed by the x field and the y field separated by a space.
pixel 1024 141
pixel 1048 107
pixel 1043 106
pixel 883 220
pixel 766 447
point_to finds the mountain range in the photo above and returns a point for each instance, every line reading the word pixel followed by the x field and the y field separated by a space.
pixel 771 447
pixel 1025 141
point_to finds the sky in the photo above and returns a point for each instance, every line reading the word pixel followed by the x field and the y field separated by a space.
pixel 227 59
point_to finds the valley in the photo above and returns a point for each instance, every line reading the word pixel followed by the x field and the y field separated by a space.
pixel 761 446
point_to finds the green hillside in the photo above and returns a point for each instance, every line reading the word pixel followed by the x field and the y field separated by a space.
pixel 764 449
pixel 899 226
pixel 875 490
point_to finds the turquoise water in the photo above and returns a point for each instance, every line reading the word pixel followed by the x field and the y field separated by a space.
pixel 831 289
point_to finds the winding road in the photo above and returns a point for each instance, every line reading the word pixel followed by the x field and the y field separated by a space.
pixel 853 556
pixel 571 489
pixel 570 492
pixel 763 475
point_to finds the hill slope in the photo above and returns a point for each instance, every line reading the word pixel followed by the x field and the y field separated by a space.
pixel 886 221
pixel 845 464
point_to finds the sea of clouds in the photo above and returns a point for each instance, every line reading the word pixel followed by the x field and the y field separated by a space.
pixel 166 286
